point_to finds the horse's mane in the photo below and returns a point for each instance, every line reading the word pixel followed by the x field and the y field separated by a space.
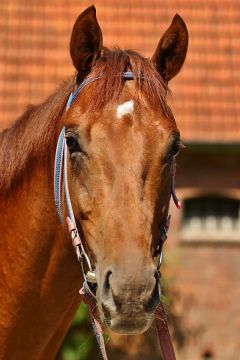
pixel 34 134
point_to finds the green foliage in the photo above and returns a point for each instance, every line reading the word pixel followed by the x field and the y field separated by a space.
pixel 79 343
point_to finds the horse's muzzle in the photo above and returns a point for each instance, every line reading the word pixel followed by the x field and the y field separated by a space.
pixel 126 306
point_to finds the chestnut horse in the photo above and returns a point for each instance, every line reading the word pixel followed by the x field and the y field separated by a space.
pixel 122 140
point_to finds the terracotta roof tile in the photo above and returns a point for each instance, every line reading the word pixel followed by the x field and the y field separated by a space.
pixel 34 55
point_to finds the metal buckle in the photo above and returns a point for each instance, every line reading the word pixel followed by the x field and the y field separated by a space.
pixel 91 277
pixel 74 234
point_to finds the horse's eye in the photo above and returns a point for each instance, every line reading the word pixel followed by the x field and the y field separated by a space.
pixel 72 144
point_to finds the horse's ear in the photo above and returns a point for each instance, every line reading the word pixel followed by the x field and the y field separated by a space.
pixel 172 48
pixel 86 42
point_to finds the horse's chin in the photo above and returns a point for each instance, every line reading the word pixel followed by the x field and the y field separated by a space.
pixel 128 325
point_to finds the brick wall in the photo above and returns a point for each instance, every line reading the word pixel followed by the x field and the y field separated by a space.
pixel 205 275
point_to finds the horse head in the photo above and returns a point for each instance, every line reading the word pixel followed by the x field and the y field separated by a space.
pixel 122 141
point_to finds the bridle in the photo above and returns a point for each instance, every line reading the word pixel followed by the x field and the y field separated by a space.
pixel 87 292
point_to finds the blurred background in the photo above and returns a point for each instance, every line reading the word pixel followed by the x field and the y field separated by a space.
pixel 202 255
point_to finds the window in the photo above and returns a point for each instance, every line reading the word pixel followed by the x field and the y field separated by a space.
pixel 210 218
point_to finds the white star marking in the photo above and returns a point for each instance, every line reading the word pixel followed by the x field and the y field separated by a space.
pixel 125 108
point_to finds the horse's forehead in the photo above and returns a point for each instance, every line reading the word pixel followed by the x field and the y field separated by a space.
pixel 129 114
pixel 126 121
pixel 132 117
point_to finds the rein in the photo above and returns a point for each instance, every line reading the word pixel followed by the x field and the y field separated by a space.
pixel 86 292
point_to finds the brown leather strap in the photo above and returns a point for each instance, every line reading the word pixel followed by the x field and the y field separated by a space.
pixel 164 337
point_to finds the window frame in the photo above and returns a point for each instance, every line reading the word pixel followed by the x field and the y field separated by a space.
pixel 188 235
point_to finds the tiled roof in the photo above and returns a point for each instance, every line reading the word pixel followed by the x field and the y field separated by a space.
pixel 34 55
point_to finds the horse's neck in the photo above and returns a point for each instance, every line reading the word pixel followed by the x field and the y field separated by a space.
pixel 39 275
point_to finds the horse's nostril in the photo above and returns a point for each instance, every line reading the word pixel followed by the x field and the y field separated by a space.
pixel 108 295
pixel 157 275
pixel 108 300
pixel 151 305
pixel 106 284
